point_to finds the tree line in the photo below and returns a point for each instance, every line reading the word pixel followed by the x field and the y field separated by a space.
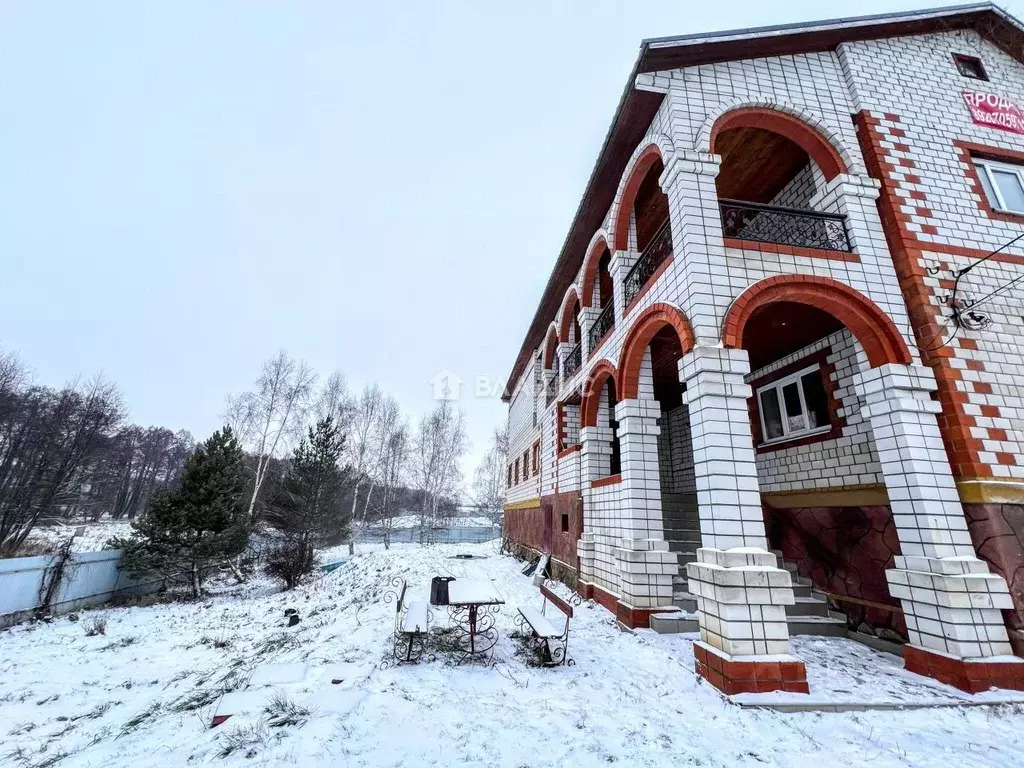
pixel 300 460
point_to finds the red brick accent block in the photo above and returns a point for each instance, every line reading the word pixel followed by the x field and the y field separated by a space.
pixel 643 329
pixel 970 676
pixel 592 389
pixel 590 270
pixel 644 161
pixel 735 674
pixel 638 618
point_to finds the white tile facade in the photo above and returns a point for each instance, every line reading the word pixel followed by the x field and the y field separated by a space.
pixel 891 433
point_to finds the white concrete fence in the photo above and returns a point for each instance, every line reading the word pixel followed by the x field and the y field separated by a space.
pixel 88 578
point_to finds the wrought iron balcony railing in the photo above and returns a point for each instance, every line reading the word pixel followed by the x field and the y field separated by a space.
pixel 602 325
pixel 551 391
pixel 572 362
pixel 659 249
pixel 784 226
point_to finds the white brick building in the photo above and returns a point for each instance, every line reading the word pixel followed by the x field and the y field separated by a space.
pixel 758 340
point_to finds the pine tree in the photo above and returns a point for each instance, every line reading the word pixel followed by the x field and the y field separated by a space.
pixel 188 530
pixel 309 510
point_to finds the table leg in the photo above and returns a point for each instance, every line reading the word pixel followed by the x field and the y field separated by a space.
pixel 472 630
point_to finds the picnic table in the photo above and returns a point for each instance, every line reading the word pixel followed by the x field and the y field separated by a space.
pixel 472 604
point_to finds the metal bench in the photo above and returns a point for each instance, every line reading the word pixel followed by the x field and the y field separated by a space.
pixel 412 619
pixel 549 634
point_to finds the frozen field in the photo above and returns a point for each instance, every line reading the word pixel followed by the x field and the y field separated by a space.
pixel 143 694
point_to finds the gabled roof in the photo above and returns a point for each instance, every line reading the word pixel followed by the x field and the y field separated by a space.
pixel 637 108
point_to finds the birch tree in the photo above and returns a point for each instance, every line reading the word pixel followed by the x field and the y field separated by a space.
pixel 490 478
pixel 268 419
pixel 440 446
pixel 393 468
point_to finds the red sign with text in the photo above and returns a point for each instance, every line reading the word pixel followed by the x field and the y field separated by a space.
pixel 994 111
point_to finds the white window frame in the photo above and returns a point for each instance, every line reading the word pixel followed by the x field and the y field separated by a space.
pixel 985 168
pixel 778 384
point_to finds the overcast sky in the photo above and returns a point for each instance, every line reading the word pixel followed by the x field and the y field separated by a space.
pixel 381 188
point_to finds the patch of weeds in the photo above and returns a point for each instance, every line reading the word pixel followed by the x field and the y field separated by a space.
pixel 99 736
pixel 98 711
pixel 26 727
pixel 48 699
pixel 279 641
pixel 124 642
pixel 282 710
pixel 221 641
pixel 25 759
pixel 140 718
pixel 247 739
pixel 95 626
pixel 194 700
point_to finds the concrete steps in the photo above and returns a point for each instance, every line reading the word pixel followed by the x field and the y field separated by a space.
pixel 809 615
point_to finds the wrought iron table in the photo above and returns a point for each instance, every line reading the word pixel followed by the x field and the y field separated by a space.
pixel 472 604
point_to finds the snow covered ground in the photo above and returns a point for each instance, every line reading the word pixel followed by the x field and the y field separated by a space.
pixel 144 693
pixel 89 537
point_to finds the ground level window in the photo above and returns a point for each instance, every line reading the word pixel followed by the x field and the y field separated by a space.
pixel 1003 183
pixel 565 522
pixel 794 406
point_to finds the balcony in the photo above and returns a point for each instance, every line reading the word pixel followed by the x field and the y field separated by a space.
pixel 550 391
pixel 784 226
pixel 602 326
pixel 572 362
pixel 659 249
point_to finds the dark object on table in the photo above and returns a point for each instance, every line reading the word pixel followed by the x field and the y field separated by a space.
pixel 531 567
pixel 439 590
pixel 289 611
pixel 293 619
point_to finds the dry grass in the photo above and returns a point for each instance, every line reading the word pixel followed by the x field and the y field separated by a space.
pixel 95 626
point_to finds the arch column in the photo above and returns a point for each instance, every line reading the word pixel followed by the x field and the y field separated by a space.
pixel 741 592
pixel 951 602
pixel 587 317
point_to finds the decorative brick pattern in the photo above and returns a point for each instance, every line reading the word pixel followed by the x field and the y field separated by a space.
pixel 970 676
pixel 731 676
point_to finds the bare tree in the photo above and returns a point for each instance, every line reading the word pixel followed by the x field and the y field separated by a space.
pixel 335 401
pixel 489 480
pixel 370 408
pixel 48 439
pixel 440 446
pixel 391 477
pixel 268 419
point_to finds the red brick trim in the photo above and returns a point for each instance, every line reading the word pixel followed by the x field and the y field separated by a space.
pixel 567 315
pixel 733 675
pixel 602 597
pixel 828 370
pixel 603 481
pixel 962 448
pixel 567 451
pixel 970 676
pixel 644 161
pixel 873 328
pixel 643 329
pixel 590 270
pixel 790 250
pixel 794 129
pixel 592 389
pixel 635 618
pixel 650 283
pixel 550 345
pixel 966 149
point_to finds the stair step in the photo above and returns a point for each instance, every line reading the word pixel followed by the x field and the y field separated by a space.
pixel 822 626
pixel 685 601
pixel 809 605
pixel 673 623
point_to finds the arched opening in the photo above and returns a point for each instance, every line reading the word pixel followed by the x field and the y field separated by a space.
pixel 569 333
pixel 598 291
pixel 816 458
pixel 550 347
pixel 772 181
pixel 598 410
pixel 642 222
pixel 649 370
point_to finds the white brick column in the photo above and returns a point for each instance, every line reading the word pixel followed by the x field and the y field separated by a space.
pixel 618 267
pixel 595 463
pixel 950 600
pixel 561 350
pixel 741 593
pixel 587 317
pixel 645 563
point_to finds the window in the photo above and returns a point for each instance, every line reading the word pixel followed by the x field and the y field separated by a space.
pixel 970 66
pixel 517 471
pixel 793 406
pixel 1003 183
pixel 536 459
pixel 509 475
pixel 526 465
pixel 565 522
